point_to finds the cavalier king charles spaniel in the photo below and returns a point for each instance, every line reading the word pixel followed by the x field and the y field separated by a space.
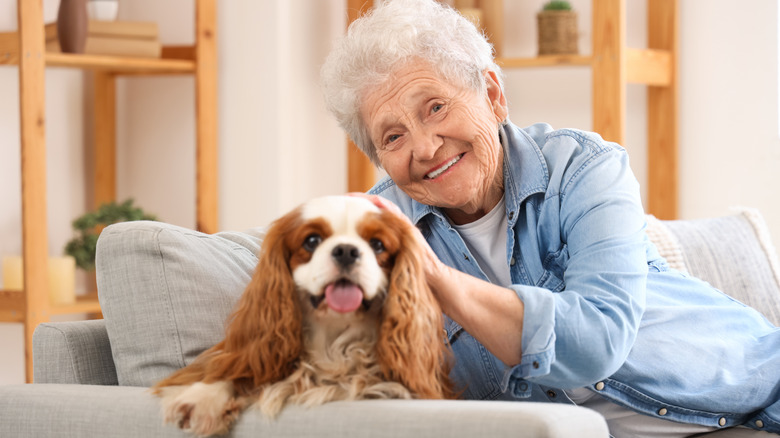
pixel 338 309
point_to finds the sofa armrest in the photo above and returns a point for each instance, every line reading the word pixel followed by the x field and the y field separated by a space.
pixel 64 411
pixel 73 352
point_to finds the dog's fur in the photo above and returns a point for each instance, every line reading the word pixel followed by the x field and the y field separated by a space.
pixel 338 309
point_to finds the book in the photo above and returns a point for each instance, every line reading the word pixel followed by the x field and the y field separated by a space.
pixel 100 45
pixel 124 29
pixel 115 47
pixel 114 38
pixel 120 29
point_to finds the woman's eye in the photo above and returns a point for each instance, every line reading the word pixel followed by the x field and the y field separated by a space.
pixel 392 138
pixel 311 242
pixel 377 246
pixel 436 108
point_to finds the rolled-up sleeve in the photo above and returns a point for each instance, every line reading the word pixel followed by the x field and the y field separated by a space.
pixel 583 333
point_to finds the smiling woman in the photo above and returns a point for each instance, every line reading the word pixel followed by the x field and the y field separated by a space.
pixel 439 141
pixel 536 244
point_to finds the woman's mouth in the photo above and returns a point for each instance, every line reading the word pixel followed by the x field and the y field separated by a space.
pixel 443 168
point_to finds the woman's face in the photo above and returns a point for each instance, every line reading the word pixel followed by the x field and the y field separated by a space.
pixel 439 141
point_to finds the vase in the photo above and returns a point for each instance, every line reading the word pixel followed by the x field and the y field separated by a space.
pixel 72 25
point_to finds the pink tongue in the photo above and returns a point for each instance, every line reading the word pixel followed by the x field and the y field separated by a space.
pixel 343 297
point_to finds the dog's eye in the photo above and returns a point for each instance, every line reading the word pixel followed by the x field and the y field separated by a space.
pixel 311 242
pixel 377 245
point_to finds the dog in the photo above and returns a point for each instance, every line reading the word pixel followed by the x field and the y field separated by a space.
pixel 337 309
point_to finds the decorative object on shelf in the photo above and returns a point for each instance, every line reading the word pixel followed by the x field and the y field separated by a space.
pixel 557 26
pixel 62 277
pixel 88 228
pixel 103 10
pixel 72 25
pixel 115 38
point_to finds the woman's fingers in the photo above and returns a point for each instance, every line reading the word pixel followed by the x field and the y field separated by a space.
pixel 379 202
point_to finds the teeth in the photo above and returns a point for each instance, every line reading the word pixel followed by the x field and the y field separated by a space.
pixel 441 170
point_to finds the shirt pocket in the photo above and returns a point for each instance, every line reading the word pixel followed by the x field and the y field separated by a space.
pixel 475 372
pixel 554 265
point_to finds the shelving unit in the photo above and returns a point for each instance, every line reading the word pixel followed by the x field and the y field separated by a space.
pixel 614 66
pixel 32 307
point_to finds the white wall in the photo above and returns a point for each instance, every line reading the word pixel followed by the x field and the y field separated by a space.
pixel 279 147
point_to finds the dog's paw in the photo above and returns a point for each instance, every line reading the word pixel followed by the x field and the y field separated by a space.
pixel 202 409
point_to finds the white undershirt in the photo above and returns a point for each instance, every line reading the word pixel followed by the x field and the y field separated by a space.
pixel 486 239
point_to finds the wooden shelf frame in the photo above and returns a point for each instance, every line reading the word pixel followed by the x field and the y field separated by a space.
pixel 614 66
pixel 26 48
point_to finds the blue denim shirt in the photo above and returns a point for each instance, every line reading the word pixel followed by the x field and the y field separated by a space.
pixel 602 308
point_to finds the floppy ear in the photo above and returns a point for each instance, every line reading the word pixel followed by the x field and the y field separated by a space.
pixel 263 336
pixel 412 346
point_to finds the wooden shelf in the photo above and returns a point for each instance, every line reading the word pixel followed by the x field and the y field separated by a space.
pixel 84 304
pixel 643 66
pixel 122 65
pixel 27 50
pixel 545 61
pixel 12 306
pixel 113 64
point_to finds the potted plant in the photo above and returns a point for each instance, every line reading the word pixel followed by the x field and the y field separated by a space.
pixel 88 228
pixel 557 26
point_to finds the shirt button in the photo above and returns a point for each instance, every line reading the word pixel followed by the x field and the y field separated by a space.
pixel 599 386
pixel 722 421
pixel 662 412
pixel 759 424
pixel 535 365
pixel 551 393
pixel 512 261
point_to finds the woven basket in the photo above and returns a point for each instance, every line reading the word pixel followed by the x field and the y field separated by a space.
pixel 557 32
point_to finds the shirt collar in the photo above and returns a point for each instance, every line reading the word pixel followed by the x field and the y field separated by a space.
pixel 525 169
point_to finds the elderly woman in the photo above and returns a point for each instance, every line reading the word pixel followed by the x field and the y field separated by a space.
pixel 538 255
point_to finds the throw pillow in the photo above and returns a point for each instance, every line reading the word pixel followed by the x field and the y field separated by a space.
pixel 166 293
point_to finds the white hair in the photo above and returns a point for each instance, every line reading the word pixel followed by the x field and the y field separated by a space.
pixel 394 33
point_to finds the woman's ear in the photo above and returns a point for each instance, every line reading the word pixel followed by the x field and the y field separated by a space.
pixel 496 95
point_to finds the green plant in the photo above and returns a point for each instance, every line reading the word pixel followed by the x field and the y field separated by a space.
pixel 88 228
pixel 557 5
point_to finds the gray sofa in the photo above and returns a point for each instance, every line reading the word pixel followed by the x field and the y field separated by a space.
pixel 166 291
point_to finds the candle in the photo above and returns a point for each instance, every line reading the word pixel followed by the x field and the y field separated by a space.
pixel 12 274
pixel 62 277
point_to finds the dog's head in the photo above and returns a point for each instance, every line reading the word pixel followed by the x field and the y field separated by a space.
pixel 342 252
pixel 336 262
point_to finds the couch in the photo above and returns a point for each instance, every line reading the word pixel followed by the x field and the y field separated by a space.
pixel 166 291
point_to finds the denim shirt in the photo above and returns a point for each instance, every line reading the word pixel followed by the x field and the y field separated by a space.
pixel 602 309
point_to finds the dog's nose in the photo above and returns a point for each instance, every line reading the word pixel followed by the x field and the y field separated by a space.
pixel 345 255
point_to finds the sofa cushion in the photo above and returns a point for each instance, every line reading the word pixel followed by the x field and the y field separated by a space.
pixel 733 253
pixel 166 293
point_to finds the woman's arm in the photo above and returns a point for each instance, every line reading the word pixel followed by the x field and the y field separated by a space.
pixel 491 314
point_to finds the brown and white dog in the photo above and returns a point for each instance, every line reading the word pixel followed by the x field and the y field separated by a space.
pixel 337 309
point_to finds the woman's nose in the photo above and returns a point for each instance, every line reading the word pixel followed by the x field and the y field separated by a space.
pixel 425 143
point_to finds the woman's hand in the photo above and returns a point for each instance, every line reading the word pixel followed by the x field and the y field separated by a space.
pixel 434 268
pixel 491 313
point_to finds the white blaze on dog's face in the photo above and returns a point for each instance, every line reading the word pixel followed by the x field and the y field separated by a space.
pixel 342 239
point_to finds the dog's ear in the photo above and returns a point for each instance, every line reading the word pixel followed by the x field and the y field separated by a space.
pixel 412 347
pixel 263 337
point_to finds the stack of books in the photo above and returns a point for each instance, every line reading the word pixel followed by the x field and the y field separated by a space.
pixel 115 38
